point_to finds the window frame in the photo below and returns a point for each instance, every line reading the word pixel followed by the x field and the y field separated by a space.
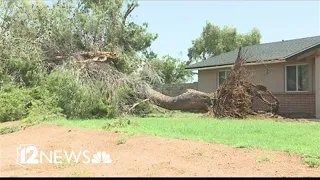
pixel 225 71
pixel 297 79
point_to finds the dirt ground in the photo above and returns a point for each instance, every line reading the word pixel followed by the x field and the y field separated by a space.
pixel 144 155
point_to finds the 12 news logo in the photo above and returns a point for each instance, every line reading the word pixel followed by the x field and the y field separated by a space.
pixel 28 154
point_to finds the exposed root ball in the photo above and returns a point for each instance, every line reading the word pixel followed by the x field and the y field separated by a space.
pixel 234 98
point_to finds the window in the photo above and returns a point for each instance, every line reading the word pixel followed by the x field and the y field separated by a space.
pixel 297 78
pixel 222 76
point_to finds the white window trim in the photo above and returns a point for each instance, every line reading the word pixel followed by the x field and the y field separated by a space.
pixel 297 84
pixel 218 75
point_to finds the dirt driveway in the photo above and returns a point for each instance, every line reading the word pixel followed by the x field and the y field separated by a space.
pixel 144 155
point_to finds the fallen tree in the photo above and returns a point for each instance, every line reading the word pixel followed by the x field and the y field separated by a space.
pixel 233 99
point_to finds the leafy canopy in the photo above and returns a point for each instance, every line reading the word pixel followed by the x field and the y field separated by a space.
pixel 172 70
pixel 215 40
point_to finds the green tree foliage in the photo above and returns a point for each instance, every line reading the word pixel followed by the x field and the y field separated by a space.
pixel 71 26
pixel 215 40
pixel 34 34
pixel 14 103
pixel 116 33
pixel 172 70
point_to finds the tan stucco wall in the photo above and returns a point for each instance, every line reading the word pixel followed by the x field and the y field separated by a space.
pixel 207 80
pixel 270 75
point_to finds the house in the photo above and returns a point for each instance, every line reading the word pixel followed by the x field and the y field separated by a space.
pixel 290 69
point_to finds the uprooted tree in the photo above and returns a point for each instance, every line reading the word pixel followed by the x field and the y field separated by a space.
pixel 234 98
pixel 86 59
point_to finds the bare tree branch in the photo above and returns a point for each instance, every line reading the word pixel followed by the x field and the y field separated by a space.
pixel 136 104
pixel 131 7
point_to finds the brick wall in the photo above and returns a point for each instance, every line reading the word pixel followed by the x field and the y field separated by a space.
pixel 291 104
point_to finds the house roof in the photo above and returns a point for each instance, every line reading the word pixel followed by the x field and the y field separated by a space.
pixel 262 52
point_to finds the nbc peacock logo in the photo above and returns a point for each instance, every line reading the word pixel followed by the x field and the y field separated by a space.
pixel 101 157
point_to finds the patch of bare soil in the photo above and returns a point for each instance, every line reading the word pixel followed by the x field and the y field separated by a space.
pixel 144 156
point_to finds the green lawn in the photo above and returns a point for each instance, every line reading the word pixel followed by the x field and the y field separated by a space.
pixel 294 137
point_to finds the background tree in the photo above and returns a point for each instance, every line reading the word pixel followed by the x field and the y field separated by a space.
pixel 171 70
pixel 215 40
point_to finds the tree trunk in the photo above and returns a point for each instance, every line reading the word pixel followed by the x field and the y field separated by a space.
pixel 188 101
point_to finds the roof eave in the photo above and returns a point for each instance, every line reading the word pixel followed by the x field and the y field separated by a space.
pixel 279 60
pixel 302 51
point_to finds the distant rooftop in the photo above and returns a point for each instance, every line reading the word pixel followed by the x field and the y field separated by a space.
pixel 262 52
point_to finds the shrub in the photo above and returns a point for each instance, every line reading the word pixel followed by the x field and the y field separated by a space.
pixel 14 103
pixel 116 123
pixel 122 139
pixel 43 110
pixel 143 109
pixel 125 97
pixel 78 99
pixel 263 158
pixel 22 62
pixel 312 161
pixel 9 129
